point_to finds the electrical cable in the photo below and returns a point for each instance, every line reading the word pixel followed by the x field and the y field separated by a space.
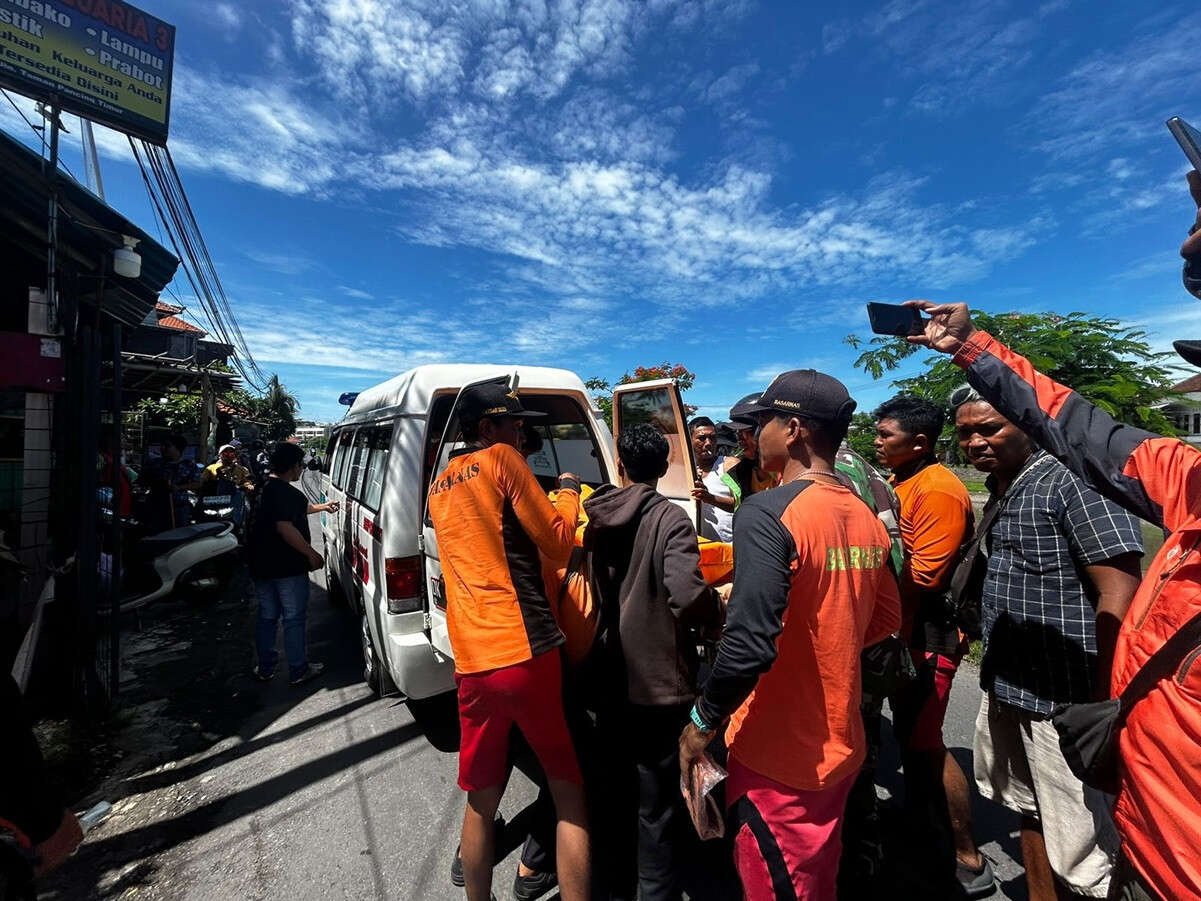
pixel 169 200
pixel 37 131
pixel 164 197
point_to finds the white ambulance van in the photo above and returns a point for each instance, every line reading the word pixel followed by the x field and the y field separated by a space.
pixel 380 550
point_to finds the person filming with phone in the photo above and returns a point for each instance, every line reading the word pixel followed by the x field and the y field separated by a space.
pixel 1158 772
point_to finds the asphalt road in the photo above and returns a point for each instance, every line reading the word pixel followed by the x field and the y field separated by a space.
pixel 324 791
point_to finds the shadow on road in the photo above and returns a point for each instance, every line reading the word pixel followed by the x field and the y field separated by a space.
pixel 187 688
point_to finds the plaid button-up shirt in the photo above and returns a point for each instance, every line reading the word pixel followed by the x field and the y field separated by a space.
pixel 1039 616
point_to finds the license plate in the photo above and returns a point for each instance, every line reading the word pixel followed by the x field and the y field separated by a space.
pixel 218 500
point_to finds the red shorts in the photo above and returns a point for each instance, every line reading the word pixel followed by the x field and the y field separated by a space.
pixel 788 840
pixel 528 695
pixel 921 706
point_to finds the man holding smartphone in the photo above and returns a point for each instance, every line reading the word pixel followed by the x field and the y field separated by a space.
pixel 1158 807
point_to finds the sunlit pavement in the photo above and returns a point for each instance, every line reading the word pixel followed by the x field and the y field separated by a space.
pixel 324 791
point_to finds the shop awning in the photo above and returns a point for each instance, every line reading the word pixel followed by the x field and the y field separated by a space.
pixel 88 232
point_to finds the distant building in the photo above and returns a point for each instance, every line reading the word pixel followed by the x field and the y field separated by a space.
pixel 1185 411
pixel 308 430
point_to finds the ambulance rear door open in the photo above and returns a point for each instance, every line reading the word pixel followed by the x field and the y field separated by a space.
pixel 659 403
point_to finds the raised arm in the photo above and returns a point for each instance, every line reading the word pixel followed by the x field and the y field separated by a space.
pixel 1155 478
pixel 551 526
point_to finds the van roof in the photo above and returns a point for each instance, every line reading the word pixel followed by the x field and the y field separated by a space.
pixel 411 392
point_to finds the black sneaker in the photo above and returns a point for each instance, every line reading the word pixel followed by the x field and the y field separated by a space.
pixel 976 883
pixel 456 866
pixel 312 671
pixel 527 888
pixel 262 675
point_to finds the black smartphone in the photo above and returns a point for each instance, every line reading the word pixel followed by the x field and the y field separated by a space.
pixel 894 319
pixel 1188 138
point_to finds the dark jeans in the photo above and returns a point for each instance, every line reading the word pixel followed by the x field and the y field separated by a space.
pixel 287 598
pixel 643 838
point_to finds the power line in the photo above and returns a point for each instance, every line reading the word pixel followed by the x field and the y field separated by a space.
pixel 170 202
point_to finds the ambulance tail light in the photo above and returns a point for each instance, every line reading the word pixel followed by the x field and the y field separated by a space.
pixel 402 576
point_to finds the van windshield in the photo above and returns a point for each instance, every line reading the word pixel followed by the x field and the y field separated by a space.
pixel 562 441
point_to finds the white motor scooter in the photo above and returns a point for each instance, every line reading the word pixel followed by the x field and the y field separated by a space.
pixel 200 556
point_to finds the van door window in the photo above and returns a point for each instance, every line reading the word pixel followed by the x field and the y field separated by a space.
pixel 566 447
pixel 379 442
pixel 358 463
pixel 658 403
pixel 327 463
pixel 343 460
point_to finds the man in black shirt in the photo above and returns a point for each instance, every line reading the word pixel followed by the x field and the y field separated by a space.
pixel 281 559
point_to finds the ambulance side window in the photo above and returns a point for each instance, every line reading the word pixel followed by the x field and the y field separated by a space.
pixel 379 442
pixel 327 463
pixel 340 464
pixel 358 463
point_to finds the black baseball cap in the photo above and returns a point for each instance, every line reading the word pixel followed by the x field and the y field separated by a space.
pixel 1190 350
pixel 492 400
pixel 742 414
pixel 805 392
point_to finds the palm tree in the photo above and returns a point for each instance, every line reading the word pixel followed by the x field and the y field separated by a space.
pixel 280 406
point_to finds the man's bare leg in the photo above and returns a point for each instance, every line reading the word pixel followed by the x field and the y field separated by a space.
pixel 1040 881
pixel 478 842
pixel 959 806
pixel 571 840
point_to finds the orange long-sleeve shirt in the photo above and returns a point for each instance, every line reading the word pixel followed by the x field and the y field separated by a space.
pixel 494 526
pixel 812 588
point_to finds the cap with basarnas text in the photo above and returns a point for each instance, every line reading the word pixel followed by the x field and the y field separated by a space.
pixel 805 392
pixel 492 400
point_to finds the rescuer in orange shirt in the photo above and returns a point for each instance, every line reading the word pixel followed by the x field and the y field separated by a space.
pixel 494 525
pixel 812 587
pixel 936 520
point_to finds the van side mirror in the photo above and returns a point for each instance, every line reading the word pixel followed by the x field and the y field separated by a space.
pixel 315 464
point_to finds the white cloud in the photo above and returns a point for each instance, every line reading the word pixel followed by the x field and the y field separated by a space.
pixel 966 55
pixel 356 293
pixel 227 17
pixel 258 130
pixel 282 263
pixel 519 144
pixel 1119 98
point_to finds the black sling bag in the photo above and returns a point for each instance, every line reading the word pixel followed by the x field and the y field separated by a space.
pixel 967 581
pixel 1088 733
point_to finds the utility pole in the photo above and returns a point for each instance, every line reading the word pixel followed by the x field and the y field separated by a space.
pixel 91 162
pixel 50 113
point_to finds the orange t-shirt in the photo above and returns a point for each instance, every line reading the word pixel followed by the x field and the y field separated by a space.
pixel 494 526
pixel 936 519
pixel 812 588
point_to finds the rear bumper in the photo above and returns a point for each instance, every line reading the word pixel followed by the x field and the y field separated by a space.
pixel 419 670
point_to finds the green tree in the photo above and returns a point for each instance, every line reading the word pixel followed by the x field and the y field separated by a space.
pixel 180 412
pixel 177 411
pixel 862 435
pixel 278 406
pixel 1103 360
pixel 602 391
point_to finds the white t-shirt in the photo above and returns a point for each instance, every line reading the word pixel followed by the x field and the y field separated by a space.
pixel 717 524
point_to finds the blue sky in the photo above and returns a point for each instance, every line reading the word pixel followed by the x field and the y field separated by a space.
pixel 599 184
